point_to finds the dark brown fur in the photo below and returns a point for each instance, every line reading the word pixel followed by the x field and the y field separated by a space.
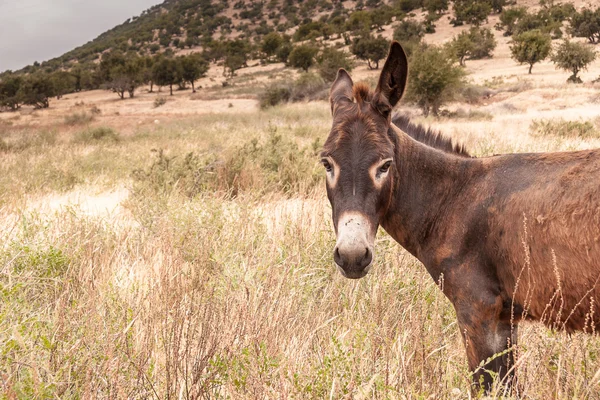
pixel 507 237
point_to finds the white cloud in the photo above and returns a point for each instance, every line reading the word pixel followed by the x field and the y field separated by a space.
pixel 38 30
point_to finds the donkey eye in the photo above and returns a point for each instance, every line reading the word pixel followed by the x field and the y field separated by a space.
pixel 327 166
pixel 385 167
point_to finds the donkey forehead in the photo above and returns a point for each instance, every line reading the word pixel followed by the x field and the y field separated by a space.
pixel 358 134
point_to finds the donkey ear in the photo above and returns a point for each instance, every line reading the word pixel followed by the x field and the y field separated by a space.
pixel 341 90
pixel 392 81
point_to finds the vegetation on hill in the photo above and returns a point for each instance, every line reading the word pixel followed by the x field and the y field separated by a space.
pixel 302 34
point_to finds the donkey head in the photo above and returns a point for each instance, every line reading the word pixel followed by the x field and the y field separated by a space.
pixel 358 157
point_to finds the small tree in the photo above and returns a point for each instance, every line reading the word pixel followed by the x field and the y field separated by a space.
pixel 270 44
pixel 236 56
pixel 370 49
pixel 509 19
pixel 476 43
pixel 462 46
pixel 433 78
pixel 586 23
pixel 436 6
pixel 531 47
pixel 167 72
pixel 63 83
pixel 283 52
pixel 127 77
pixel 380 16
pixel 10 97
pixel 36 90
pixel 330 61
pixel 473 12
pixel 193 67
pixel 359 21
pixel 303 57
pixel 408 31
pixel 574 57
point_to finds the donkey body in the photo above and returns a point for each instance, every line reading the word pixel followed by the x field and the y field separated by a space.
pixel 507 238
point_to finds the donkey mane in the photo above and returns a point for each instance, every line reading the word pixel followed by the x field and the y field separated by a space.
pixel 429 137
pixel 362 94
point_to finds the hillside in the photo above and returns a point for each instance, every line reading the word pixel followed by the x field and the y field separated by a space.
pixel 192 24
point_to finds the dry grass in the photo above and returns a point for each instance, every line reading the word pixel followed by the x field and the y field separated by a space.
pixel 214 293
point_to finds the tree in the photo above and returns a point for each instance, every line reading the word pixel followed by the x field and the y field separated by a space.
pixel 476 43
pixel 380 16
pixel 462 46
pixel 283 52
pixel 408 31
pixel 473 12
pixel 359 21
pixel 63 83
pixel 193 67
pixel 36 90
pixel 433 78
pixel 303 57
pixel 406 6
pixel 586 23
pixel 167 72
pixel 574 57
pixel 126 77
pixel 531 47
pixel 435 6
pixel 270 44
pixel 509 18
pixel 236 55
pixel 10 97
pixel 370 49
pixel 330 61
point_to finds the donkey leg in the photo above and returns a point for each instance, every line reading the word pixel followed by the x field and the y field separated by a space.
pixel 489 340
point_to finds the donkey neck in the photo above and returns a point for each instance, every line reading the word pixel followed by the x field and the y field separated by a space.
pixel 427 183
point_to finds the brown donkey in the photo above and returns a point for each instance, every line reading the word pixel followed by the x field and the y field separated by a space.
pixel 507 238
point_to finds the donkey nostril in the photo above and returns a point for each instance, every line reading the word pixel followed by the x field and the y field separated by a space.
pixel 367 258
pixel 337 257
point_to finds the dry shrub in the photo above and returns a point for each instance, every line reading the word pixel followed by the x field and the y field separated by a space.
pixel 278 165
pixel 474 94
pixel 475 115
pixel 78 118
pixel 160 101
pixel 563 128
pixel 101 133
pixel 308 87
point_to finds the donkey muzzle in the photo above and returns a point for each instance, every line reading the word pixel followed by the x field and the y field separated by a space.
pixel 353 253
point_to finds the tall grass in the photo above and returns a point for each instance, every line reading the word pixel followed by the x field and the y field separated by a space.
pixel 192 290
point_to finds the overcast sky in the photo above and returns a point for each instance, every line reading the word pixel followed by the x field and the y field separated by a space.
pixel 38 30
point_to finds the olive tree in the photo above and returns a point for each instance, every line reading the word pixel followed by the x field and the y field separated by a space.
pixel 434 77
pixel 574 57
pixel 531 47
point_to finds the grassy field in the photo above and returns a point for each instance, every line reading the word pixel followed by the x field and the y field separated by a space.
pixel 192 259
